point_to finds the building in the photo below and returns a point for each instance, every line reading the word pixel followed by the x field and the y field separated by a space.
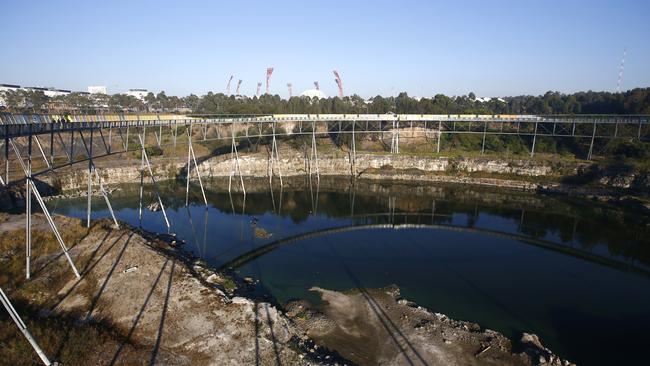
pixel 138 93
pixel 311 93
pixel 97 90
pixel 6 88
pixel 50 92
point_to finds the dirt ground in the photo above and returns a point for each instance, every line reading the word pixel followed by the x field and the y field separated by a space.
pixel 377 327
pixel 142 301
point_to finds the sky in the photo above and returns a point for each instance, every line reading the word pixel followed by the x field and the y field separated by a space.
pixel 491 48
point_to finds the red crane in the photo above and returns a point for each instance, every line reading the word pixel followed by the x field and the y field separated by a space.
pixel 238 85
pixel 228 86
pixel 269 72
pixel 339 83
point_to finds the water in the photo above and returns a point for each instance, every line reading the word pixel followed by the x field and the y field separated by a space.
pixel 573 272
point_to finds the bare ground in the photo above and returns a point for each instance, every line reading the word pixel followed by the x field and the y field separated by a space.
pixel 377 327
pixel 141 301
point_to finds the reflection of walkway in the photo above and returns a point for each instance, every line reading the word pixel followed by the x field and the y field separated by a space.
pixel 260 251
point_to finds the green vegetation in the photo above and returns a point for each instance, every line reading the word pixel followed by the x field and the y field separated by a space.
pixel 635 101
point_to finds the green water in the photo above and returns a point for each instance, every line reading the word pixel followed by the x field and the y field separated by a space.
pixel 571 271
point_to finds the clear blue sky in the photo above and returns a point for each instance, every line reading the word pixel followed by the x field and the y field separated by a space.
pixel 493 48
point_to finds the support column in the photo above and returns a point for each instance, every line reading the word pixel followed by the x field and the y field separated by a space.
pixel 591 145
pixel 90 179
pixel 439 135
pixel 153 180
pixel 532 150
pixel 23 328
pixel 353 160
pixel 28 207
pixel 484 134
pixel 46 212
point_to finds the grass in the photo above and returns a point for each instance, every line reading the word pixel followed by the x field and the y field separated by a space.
pixel 62 336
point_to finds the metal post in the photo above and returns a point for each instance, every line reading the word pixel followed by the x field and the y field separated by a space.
pixel 6 154
pixel 591 145
pixel 353 161
pixel 439 135
pixel 90 182
pixel 198 174
pixel 52 143
pixel 532 150
pixel 141 187
pixel 72 145
pixel 98 177
pixel 110 138
pixel 126 143
pixel 484 134
pixel 153 180
pixel 23 328
pixel 189 166
pixel 46 212
pixel 28 208
pixel 314 151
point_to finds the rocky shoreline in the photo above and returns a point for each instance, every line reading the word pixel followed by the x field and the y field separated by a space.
pixel 162 298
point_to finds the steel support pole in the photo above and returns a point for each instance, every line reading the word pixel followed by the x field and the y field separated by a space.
pixel 314 151
pixel 484 134
pixel 141 187
pixel 591 145
pixel 198 174
pixel 353 158
pixel 93 168
pixel 46 212
pixel 532 150
pixel 90 179
pixel 23 328
pixel 6 154
pixel 110 138
pixel 28 208
pixel 439 136
pixel 153 180
pixel 51 144
pixel 189 168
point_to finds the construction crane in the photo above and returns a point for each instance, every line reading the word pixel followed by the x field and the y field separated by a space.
pixel 316 85
pixel 228 85
pixel 259 86
pixel 290 91
pixel 339 83
pixel 269 72
pixel 620 72
pixel 238 86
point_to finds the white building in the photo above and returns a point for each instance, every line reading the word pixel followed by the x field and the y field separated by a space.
pixel 97 90
pixel 138 93
pixel 311 93
pixel 50 92
pixel 6 88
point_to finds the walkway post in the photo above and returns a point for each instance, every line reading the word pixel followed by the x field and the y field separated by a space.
pixel 28 207
pixel 90 172
pixel 439 135
pixel 99 179
pixel 23 328
pixel 153 180
pixel 532 150
pixel 591 145
pixel 314 150
pixel 187 175
pixel 484 134
pixel 41 203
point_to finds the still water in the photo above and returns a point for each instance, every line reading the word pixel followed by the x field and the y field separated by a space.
pixel 574 272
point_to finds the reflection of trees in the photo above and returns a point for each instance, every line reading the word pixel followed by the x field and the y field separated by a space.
pixel 573 222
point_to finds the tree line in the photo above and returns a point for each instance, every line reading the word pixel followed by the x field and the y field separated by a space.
pixel 635 101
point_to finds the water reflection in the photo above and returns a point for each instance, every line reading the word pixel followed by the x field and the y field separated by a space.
pixel 572 271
